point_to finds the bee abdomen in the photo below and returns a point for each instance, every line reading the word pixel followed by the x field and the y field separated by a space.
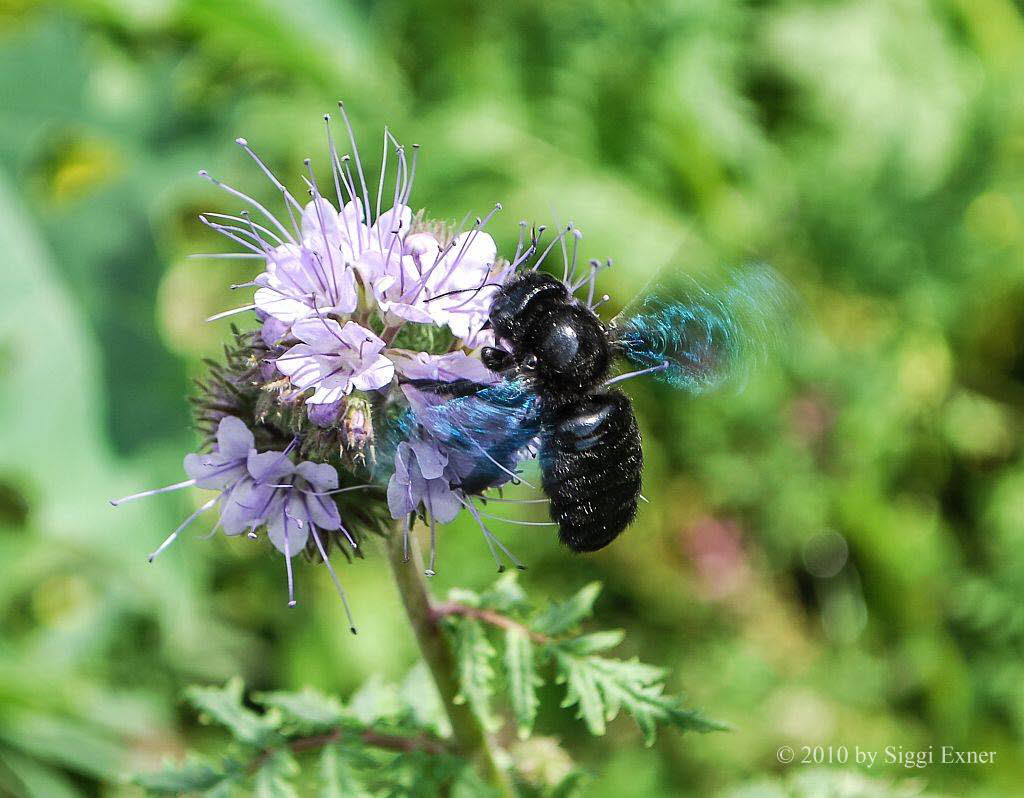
pixel 591 462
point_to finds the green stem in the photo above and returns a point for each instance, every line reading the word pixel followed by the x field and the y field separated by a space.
pixel 471 740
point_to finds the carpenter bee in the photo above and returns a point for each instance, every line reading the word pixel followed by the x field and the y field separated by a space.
pixel 590 455
pixel 553 359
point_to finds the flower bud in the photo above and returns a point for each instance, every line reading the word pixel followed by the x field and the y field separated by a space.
pixel 356 430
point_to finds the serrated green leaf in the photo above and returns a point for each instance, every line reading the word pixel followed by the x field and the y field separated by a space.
pixel 192 775
pixel 375 700
pixel 628 670
pixel 224 705
pixel 474 654
pixel 338 779
pixel 560 616
pixel 522 680
pixel 581 691
pixel 506 595
pixel 428 776
pixel 275 774
pixel 601 687
pixel 593 642
pixel 419 695
pixel 309 711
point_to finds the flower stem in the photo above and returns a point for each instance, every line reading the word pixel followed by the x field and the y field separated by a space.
pixel 471 740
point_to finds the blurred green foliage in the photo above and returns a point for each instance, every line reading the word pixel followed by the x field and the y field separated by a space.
pixel 832 556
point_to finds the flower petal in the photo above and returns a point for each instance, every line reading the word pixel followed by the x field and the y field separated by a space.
pixel 407 312
pixel 403 454
pixel 378 374
pixel 400 499
pixel 269 467
pixel 393 222
pixel 424 250
pixel 441 501
pixel 339 388
pixel 322 511
pixel 468 324
pixel 272 330
pixel 361 339
pixel 469 259
pixel 430 460
pixel 342 293
pixel 323 335
pixel 322 476
pixel 449 367
pixel 234 439
pixel 351 216
pixel 242 507
pixel 288 519
pixel 213 472
pixel 300 365
pixel 320 220
pixel 285 308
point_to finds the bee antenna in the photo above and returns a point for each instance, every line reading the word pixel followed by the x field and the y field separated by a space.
pixel 475 291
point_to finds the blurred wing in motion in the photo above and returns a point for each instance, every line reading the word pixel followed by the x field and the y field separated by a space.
pixel 708 337
pixel 485 429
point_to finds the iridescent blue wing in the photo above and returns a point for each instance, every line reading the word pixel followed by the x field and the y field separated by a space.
pixel 484 429
pixel 708 337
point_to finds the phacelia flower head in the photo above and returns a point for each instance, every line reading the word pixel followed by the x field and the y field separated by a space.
pixel 367 313
pixel 265 489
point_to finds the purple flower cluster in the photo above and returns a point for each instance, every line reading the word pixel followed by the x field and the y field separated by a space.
pixel 343 285
pixel 337 276
pixel 261 489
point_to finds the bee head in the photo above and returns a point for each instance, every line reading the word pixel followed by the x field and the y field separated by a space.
pixel 554 340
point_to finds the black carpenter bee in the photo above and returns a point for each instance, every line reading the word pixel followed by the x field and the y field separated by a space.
pixel 590 454
pixel 554 356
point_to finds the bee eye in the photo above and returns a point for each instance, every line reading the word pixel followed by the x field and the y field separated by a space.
pixel 529 362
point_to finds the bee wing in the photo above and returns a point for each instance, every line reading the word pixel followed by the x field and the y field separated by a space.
pixel 485 429
pixel 707 337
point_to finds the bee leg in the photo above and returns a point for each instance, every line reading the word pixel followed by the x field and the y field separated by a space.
pixel 492 540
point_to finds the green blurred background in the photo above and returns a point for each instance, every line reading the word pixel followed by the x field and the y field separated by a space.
pixel 833 556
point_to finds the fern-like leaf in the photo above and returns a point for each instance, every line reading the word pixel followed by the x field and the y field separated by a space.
pixel 338 778
pixel 523 680
pixel 600 687
pixel 474 655
pixel 561 616
pixel 193 775
pixel 274 776
pixel 307 712
pixel 224 706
